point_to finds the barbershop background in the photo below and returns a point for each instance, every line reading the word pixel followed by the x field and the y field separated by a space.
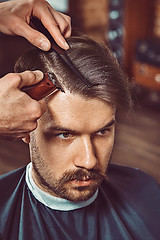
pixel 132 30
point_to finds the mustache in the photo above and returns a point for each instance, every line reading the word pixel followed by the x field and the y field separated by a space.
pixel 81 175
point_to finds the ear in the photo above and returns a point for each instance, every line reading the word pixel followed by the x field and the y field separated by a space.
pixel 26 139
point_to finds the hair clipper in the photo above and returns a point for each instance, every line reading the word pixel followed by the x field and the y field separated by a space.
pixel 42 89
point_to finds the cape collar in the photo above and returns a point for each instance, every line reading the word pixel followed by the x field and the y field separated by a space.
pixel 51 201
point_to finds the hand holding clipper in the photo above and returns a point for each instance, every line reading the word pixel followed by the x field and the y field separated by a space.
pixel 42 89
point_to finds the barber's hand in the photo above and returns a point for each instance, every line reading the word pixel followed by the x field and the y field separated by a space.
pixel 18 112
pixel 15 18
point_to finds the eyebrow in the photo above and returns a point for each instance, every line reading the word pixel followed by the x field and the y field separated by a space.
pixel 112 122
pixel 63 129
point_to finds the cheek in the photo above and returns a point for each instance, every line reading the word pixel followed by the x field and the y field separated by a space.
pixel 55 154
pixel 103 149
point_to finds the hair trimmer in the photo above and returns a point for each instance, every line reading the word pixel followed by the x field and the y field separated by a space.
pixel 42 89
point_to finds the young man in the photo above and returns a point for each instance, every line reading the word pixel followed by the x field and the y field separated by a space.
pixel 70 190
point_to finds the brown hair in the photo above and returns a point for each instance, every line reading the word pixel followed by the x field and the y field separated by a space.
pixel 94 60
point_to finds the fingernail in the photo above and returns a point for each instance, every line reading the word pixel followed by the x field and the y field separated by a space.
pixel 39 74
pixel 66 46
pixel 45 45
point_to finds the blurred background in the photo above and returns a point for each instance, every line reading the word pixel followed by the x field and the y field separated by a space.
pixel 132 30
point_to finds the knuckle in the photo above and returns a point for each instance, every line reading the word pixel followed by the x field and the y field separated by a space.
pixel 65 25
pixel 14 79
pixel 31 75
pixel 13 76
pixel 68 19
pixel 35 110
pixel 34 37
pixel 32 126
pixel 15 26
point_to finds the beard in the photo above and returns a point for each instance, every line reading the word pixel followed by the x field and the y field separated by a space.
pixel 64 187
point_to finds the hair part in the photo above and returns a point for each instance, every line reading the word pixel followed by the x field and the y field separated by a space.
pixel 94 60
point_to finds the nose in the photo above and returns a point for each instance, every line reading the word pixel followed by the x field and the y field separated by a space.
pixel 86 157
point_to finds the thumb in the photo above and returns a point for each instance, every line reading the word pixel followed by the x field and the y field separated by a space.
pixel 29 78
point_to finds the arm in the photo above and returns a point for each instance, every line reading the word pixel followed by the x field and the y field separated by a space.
pixel 15 19
pixel 18 112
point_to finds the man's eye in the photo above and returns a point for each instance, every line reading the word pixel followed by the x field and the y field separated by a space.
pixel 102 132
pixel 65 135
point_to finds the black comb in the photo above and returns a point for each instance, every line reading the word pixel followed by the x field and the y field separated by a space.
pixel 36 23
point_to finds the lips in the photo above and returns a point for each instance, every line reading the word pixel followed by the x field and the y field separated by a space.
pixel 82 183
pixel 82 178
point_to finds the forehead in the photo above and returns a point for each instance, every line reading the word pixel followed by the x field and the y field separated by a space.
pixel 75 112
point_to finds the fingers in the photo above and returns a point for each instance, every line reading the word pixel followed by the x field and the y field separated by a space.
pixel 26 136
pixel 58 24
pixel 15 17
pixel 19 113
pixel 64 23
pixel 27 108
pixel 15 136
pixel 43 106
pixel 28 78
pixel 33 36
pixel 26 139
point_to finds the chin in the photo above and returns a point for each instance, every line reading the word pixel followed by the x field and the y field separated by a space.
pixel 80 194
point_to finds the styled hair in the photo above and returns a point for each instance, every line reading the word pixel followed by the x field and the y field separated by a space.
pixel 96 63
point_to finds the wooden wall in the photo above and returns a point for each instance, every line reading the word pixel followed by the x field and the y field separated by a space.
pixel 92 16
pixel 138 22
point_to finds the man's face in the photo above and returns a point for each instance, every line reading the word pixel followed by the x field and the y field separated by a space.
pixel 72 145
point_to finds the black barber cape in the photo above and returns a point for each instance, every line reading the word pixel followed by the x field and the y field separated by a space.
pixel 128 207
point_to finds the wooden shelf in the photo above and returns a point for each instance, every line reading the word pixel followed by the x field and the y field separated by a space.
pixel 146 75
pixel 138 24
